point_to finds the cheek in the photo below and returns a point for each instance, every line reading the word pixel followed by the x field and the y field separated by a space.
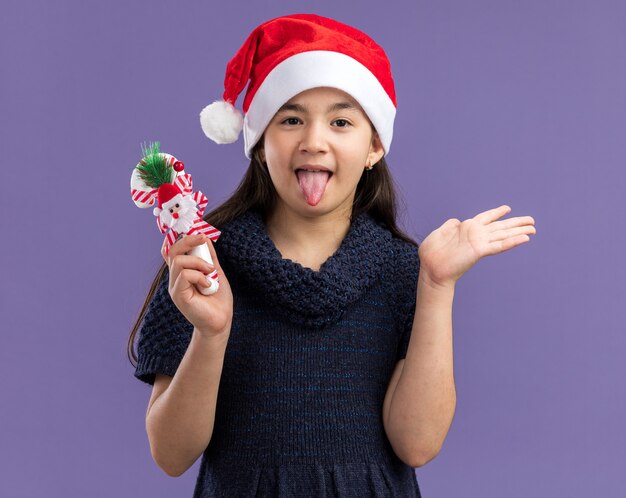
pixel 280 174
pixel 276 157
pixel 278 166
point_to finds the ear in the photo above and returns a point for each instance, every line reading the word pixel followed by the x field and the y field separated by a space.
pixel 377 150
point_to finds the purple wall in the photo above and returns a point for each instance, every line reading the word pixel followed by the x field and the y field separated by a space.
pixel 499 102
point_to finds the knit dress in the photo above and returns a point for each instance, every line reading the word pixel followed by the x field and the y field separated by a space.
pixel 306 368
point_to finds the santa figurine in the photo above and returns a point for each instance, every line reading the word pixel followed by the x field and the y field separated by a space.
pixel 160 178
pixel 175 210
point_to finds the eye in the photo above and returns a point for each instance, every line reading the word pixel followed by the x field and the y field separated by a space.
pixel 177 205
pixel 171 210
pixel 289 119
pixel 343 121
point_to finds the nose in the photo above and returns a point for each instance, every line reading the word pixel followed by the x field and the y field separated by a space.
pixel 314 138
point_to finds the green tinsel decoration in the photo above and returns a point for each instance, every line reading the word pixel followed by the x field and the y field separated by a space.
pixel 154 169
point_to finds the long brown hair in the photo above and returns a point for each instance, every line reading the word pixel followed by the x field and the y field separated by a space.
pixel 375 195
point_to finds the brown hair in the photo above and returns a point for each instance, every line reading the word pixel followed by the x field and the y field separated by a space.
pixel 375 195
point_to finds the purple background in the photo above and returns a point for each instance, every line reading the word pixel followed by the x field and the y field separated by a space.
pixel 499 102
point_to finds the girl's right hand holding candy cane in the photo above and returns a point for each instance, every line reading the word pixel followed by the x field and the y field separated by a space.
pixel 211 314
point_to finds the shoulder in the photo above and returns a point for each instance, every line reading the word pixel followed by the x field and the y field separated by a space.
pixel 400 257
pixel 405 262
pixel 404 273
pixel 405 251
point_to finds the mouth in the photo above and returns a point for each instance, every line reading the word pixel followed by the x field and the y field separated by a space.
pixel 314 169
pixel 312 173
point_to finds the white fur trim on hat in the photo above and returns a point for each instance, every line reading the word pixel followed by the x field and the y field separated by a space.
pixel 318 68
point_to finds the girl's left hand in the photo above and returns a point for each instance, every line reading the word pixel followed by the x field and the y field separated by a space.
pixel 448 252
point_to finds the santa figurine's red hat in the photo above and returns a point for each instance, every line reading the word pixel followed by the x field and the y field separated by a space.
pixel 289 54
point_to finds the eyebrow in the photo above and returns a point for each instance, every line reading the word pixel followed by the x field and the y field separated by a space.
pixel 337 106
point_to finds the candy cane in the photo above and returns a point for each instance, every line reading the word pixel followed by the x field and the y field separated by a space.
pixel 144 196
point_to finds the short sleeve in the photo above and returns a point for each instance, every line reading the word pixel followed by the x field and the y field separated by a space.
pixel 164 336
pixel 407 273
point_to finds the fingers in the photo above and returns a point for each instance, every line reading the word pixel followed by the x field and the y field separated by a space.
pixel 492 215
pixel 185 269
pixel 523 222
pixel 188 262
pixel 187 278
pixel 181 246
pixel 163 252
pixel 191 268
pixel 514 231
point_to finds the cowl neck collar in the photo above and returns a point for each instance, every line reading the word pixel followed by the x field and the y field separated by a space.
pixel 306 297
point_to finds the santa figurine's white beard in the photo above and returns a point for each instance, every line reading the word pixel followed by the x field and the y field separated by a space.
pixel 186 215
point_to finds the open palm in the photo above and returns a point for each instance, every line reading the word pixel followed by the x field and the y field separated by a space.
pixel 452 249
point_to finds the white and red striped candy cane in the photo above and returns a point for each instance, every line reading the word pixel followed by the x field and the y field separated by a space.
pixel 199 226
pixel 202 250
pixel 144 197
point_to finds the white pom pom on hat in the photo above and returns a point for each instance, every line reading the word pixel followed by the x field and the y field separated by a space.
pixel 290 54
pixel 221 122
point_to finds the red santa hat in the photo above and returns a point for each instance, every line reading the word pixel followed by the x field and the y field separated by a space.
pixel 287 55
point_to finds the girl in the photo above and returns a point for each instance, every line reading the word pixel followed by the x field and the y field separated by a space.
pixel 298 378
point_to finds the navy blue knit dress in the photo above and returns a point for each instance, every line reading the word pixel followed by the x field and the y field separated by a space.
pixel 307 365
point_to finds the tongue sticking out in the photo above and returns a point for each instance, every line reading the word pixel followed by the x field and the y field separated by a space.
pixel 313 184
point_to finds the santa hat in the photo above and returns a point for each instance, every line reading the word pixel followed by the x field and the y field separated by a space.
pixel 165 194
pixel 287 55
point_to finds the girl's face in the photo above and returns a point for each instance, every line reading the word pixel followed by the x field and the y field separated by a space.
pixel 319 129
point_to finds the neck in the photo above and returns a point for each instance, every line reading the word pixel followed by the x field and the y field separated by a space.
pixel 308 240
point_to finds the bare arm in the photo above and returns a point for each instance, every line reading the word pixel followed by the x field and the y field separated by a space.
pixel 421 398
pixel 181 414
pixel 420 401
